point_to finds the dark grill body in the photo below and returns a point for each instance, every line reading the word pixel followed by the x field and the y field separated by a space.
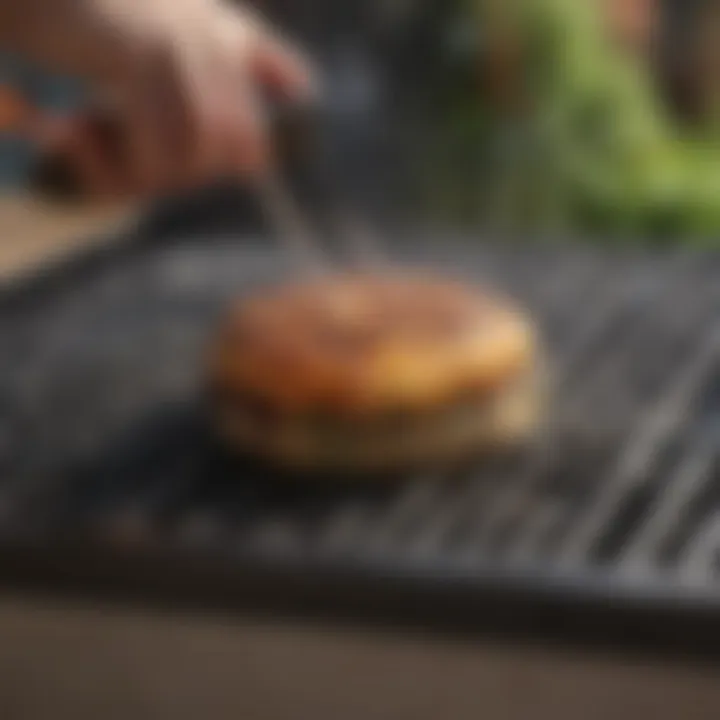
pixel 603 529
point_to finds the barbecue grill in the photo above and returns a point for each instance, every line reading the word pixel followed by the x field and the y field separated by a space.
pixel 603 534
pixel 606 529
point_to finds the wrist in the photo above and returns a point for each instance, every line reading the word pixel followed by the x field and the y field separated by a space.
pixel 64 36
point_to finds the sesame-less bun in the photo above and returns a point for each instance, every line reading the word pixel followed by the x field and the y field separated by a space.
pixel 372 372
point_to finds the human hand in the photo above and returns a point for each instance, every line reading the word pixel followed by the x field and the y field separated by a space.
pixel 182 81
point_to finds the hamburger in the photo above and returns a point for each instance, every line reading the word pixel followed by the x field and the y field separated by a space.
pixel 373 373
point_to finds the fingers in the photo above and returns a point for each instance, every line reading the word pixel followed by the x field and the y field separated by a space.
pixel 268 68
pixel 190 108
pixel 230 132
pixel 247 140
pixel 82 143
pixel 157 119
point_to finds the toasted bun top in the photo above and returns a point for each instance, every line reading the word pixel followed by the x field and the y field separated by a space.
pixel 362 344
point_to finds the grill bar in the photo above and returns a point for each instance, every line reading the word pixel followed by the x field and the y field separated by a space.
pixel 636 462
pixel 671 506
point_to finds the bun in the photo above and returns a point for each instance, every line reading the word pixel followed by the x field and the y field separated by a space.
pixel 372 372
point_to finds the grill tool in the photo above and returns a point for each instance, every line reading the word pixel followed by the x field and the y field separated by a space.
pixel 300 199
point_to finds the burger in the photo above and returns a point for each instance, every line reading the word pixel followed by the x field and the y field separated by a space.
pixel 366 373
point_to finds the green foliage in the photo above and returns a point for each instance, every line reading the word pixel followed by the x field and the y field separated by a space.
pixel 593 150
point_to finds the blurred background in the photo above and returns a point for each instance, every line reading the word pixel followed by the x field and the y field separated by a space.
pixel 596 118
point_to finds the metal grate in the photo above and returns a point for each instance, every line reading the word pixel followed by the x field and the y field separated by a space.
pixel 100 440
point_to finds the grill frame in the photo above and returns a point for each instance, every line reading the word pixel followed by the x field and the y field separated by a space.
pixel 577 604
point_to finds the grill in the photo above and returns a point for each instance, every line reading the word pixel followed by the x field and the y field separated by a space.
pixel 606 529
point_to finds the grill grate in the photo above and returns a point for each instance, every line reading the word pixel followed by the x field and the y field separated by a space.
pixel 99 440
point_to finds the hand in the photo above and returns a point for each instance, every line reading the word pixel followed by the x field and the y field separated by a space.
pixel 183 79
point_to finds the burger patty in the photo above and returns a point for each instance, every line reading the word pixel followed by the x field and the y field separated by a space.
pixel 361 372
pixel 490 420
pixel 361 345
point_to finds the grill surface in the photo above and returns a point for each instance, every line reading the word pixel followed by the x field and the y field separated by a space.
pixel 107 472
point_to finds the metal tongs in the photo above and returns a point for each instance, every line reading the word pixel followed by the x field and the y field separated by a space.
pixel 302 198
pixel 299 196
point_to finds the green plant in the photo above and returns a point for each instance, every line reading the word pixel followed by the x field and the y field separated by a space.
pixel 584 144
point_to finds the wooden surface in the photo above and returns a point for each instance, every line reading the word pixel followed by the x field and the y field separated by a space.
pixel 59 662
pixel 32 232
pixel 87 663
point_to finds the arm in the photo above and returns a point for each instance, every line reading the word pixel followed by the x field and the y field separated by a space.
pixel 182 76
